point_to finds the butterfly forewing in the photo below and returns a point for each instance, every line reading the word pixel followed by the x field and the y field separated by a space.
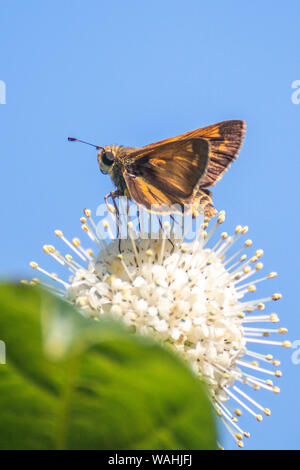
pixel 225 140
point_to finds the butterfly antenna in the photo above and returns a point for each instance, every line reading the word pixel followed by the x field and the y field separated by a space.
pixel 72 139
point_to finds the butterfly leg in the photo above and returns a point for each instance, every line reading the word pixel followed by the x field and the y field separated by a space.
pixel 114 195
pixel 139 220
pixel 160 222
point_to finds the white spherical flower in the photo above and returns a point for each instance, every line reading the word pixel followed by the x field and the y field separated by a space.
pixel 189 295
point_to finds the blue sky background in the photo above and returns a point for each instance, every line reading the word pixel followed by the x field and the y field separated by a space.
pixel 133 72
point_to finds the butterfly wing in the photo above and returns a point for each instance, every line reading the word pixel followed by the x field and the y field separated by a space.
pixel 166 174
pixel 225 140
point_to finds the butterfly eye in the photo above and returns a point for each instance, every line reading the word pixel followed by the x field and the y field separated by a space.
pixel 107 158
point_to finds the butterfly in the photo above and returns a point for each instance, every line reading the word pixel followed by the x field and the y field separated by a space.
pixel 176 172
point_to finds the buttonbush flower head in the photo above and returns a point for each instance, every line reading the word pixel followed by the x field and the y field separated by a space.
pixel 195 296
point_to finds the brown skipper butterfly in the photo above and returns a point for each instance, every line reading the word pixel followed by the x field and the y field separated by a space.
pixel 176 171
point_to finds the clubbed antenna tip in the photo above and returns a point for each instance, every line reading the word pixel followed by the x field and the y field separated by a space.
pixel 73 139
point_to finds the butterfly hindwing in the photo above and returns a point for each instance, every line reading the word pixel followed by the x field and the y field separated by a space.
pixel 149 196
pixel 167 174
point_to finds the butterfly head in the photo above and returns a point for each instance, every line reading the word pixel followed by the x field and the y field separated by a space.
pixel 106 158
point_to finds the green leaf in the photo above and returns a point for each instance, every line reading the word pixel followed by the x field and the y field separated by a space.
pixel 75 383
